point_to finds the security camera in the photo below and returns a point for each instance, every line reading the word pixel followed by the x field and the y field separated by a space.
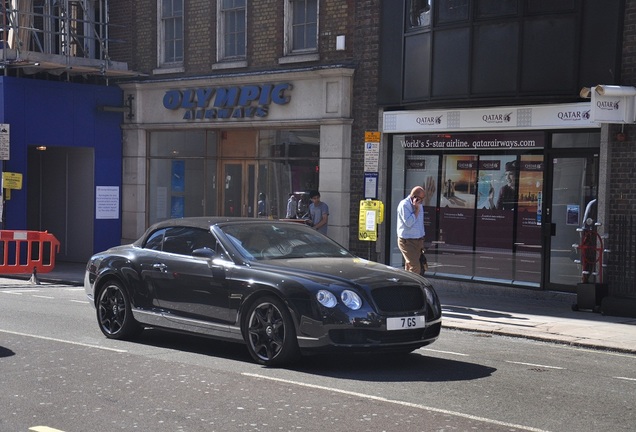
pixel 612 90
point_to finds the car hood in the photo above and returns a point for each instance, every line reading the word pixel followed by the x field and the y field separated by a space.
pixel 348 270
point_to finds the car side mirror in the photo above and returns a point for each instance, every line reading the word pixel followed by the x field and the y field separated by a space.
pixel 203 253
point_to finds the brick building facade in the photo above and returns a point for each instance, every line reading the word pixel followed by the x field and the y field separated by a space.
pixel 354 24
pixel 622 157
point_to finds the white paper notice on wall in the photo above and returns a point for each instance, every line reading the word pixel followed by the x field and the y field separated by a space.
pixel 5 142
pixel 107 202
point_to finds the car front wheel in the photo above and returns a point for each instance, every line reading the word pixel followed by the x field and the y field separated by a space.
pixel 269 333
pixel 114 313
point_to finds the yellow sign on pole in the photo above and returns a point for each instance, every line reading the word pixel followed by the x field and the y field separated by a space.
pixel 12 180
pixel 371 214
pixel 371 136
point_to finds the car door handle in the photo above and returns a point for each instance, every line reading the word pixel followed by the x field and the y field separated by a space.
pixel 160 266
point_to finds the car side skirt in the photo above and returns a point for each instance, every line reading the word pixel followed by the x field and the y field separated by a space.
pixel 169 321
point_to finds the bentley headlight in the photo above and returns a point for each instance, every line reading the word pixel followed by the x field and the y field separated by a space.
pixel 351 300
pixel 326 298
pixel 433 300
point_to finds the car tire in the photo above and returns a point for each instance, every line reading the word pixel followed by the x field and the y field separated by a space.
pixel 114 313
pixel 269 332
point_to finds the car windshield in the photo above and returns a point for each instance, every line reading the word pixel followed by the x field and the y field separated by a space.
pixel 272 240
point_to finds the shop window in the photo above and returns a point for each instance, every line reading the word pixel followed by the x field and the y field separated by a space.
pixel 576 140
pixel 170 32
pixel 288 164
pixel 232 29
pixel 496 8
pixel 483 209
pixel 181 174
pixel 450 11
pixel 250 172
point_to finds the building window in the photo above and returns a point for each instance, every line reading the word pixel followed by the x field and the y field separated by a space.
pixel 171 32
pixel 232 29
pixel 419 13
pixel 302 26
pixel 452 11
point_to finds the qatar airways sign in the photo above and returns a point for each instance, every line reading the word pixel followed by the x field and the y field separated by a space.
pixel 561 116
pixel 613 104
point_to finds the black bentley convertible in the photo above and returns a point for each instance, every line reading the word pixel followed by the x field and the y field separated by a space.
pixel 282 288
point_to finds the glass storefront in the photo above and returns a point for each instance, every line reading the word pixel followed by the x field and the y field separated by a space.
pixel 232 173
pixel 485 206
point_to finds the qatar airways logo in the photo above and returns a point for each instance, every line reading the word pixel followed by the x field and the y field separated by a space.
pixel 429 120
pixel 608 105
pixel 573 115
pixel 497 118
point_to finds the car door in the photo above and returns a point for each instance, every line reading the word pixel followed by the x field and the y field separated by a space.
pixel 187 286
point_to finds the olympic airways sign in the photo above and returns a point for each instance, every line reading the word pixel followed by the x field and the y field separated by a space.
pixel 220 103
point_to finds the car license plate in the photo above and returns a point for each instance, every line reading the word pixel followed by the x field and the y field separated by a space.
pixel 405 323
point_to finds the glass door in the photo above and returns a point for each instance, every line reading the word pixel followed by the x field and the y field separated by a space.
pixel 574 183
pixel 238 191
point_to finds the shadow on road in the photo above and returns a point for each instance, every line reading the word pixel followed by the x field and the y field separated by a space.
pixel 412 367
pixel 5 352
pixel 193 344
pixel 384 367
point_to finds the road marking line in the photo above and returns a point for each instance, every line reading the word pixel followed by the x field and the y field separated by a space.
pixel 626 378
pixel 44 429
pixel 534 365
pixel 44 297
pixel 80 301
pixel 62 340
pixel 20 291
pixel 444 352
pixel 397 402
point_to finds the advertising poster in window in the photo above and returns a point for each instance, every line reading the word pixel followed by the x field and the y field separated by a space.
pixel 177 205
pixel 178 176
pixel 496 199
pixel 423 171
pixel 530 201
pixel 177 184
pixel 457 199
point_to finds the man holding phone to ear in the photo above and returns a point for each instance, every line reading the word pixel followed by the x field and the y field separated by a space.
pixel 410 228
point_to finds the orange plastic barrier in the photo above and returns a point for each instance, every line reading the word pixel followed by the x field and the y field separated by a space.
pixel 23 252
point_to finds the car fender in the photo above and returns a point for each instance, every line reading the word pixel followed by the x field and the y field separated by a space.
pixel 293 294
pixel 121 269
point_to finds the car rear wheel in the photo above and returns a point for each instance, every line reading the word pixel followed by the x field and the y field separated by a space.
pixel 114 313
pixel 269 332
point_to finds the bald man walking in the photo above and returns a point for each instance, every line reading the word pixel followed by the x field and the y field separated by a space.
pixel 410 228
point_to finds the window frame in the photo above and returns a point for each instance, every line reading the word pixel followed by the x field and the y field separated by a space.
pixel 290 24
pixel 222 55
pixel 162 21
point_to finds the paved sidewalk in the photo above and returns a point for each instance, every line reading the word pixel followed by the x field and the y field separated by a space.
pixel 532 314
pixel 540 315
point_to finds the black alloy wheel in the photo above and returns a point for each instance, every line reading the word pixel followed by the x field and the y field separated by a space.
pixel 270 334
pixel 114 313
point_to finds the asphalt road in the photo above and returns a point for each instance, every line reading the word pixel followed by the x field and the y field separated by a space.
pixel 57 372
